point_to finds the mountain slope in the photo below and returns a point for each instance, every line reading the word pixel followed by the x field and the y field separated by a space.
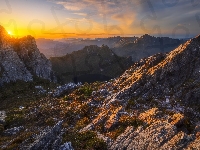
pixel 169 82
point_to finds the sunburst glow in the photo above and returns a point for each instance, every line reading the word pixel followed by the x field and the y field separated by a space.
pixel 9 32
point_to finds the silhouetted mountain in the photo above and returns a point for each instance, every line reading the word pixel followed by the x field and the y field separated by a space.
pixel 90 64
pixel 146 46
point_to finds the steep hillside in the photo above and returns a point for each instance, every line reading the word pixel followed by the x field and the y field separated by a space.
pixel 20 59
pixel 167 83
pixel 90 64
pixel 145 46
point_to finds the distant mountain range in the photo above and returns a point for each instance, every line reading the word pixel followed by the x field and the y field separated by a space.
pixel 136 47
pixel 146 46
pixel 55 48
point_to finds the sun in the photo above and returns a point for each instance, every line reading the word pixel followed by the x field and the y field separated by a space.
pixel 9 32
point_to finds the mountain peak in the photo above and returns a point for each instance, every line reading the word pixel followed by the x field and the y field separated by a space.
pixel 146 36
pixel 22 60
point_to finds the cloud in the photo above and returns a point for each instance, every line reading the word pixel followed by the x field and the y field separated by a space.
pixel 69 6
pixel 80 14
pixel 128 14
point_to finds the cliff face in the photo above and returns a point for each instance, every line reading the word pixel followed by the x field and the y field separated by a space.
pixel 20 59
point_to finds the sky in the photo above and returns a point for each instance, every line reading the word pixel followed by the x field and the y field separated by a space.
pixel 100 18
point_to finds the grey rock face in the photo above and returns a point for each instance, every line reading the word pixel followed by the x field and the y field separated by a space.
pixel 12 68
pixel 66 146
pixel 159 135
pixel 13 131
pixel 50 138
pixel 20 59
pixel 2 117
pixel 35 62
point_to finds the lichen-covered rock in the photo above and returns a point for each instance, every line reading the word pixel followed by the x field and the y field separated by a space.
pixel 195 145
pixel 124 139
pixel 50 138
pixel 150 138
pixel 149 116
pixel 177 119
pixel 66 146
pixel 179 141
pixel 153 136
pixel 13 131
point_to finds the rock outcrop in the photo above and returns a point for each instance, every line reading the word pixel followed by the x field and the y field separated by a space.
pixel 20 59
pixel 49 138
pixel 169 82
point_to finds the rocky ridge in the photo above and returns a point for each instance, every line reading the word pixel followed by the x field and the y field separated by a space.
pixel 167 81
pixel 20 59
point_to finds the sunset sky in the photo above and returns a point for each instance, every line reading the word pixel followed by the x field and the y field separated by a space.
pixel 100 18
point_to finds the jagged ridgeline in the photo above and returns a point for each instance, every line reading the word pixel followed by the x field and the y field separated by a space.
pixel 90 64
pixel 20 59
pixel 145 46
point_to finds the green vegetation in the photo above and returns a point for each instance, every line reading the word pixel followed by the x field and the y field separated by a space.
pixel 15 141
pixel 85 90
pixel 83 64
pixel 14 118
pixel 21 93
pixel 85 141
pixel 130 104
pixel 123 123
pixel 1 129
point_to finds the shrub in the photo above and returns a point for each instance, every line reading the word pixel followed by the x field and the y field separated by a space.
pixel 1 129
pixel 86 140
pixel 50 121
pixel 86 90
pixel 82 123
pixel 14 120
pixel 123 123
